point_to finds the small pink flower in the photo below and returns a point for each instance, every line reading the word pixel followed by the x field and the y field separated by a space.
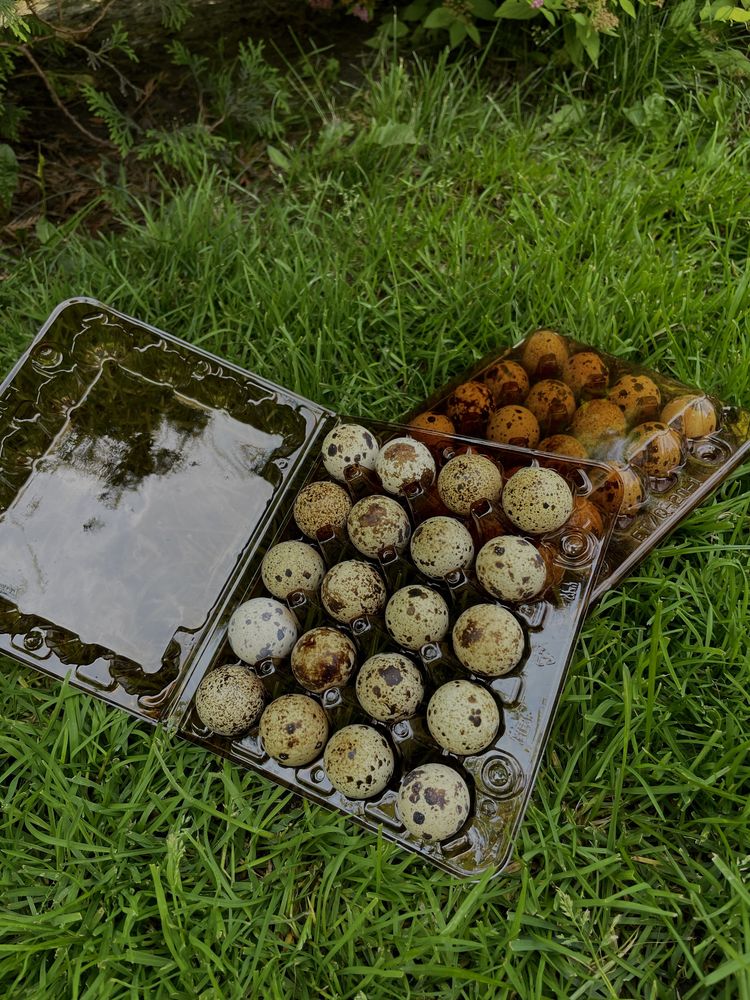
pixel 536 4
pixel 361 12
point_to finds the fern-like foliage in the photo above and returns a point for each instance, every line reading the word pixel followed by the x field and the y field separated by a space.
pixel 120 127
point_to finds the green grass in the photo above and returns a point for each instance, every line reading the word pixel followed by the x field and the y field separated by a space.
pixel 133 866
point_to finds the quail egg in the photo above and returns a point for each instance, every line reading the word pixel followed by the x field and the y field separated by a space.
pixel 463 717
pixel 294 729
pixel 622 492
pixel 596 423
pixel 511 568
pixel 321 505
pixel 488 640
pixel 508 383
pixel 466 479
pixel 389 687
pixel 229 699
pixel 440 546
pixel 563 444
pixel 469 407
pixel 262 629
pixel 586 374
pixel 404 461
pixel 537 500
pixel 552 403
pixel 544 354
pixel 352 589
pixel 638 397
pixel 348 444
pixel 586 517
pixel 323 658
pixel 433 802
pixel 430 421
pixel 376 522
pixel 655 448
pixel 514 425
pixel 358 761
pixel 292 566
pixel 693 416
pixel 416 615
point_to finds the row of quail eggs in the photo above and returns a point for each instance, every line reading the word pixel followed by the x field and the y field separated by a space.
pixel 462 716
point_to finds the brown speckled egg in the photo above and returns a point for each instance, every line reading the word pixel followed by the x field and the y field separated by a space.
pixel 290 567
pixel 514 425
pixel 488 640
pixel 440 546
pixel 638 397
pixel 376 522
pixel 463 717
pixel 598 424
pixel 537 500
pixel 693 416
pixel 358 761
pixel 323 658
pixel 294 729
pixel 469 407
pixel 511 568
pixel 586 517
pixel 655 448
pixel 622 492
pixel 321 505
pixel 229 699
pixel 552 403
pixel 346 445
pixel 507 381
pixel 430 421
pixel 416 615
pixel 352 589
pixel 404 461
pixel 466 479
pixel 586 374
pixel 544 354
pixel 563 444
pixel 389 687
pixel 433 802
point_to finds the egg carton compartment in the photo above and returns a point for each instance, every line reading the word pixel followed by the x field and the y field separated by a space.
pixel 499 777
pixel 671 444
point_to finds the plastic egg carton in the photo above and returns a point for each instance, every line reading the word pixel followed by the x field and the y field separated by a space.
pixel 501 777
pixel 663 474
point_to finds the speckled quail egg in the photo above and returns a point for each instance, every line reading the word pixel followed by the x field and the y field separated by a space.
pixel 514 425
pixel 262 629
pixel 376 522
pixel 433 802
pixel 544 354
pixel 321 505
pixel 292 566
pixel 537 500
pixel 586 374
pixel 511 568
pixel 693 416
pixel 352 589
pixel 440 546
pixel 552 403
pixel 404 461
pixel 469 407
pixel 563 444
pixel 229 699
pixel 358 761
pixel 655 448
pixel 416 615
pixel 488 640
pixel 466 479
pixel 294 729
pixel 622 492
pixel 597 424
pixel 348 444
pixel 431 421
pixel 463 717
pixel 323 658
pixel 389 687
pixel 508 383
pixel 637 396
